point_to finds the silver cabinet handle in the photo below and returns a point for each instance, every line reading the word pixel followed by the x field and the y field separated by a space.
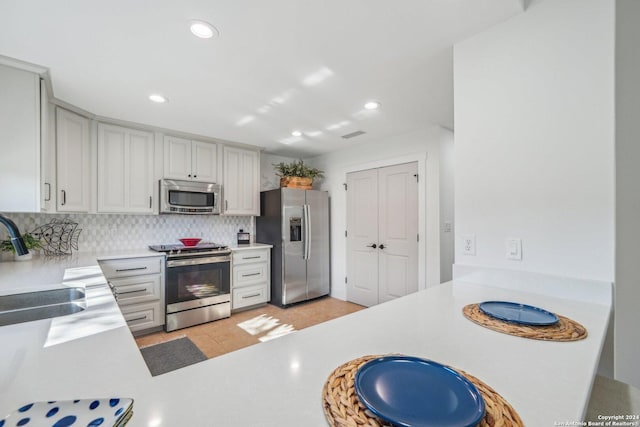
pixel 226 205
pixel 137 318
pixel 48 198
pixel 372 246
pixel 132 292
pixel 251 257
pixel 130 269
pixel 250 296
pixel 150 202
pixel 64 198
pixel 252 274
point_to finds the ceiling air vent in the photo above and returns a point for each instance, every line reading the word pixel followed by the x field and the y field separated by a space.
pixel 353 134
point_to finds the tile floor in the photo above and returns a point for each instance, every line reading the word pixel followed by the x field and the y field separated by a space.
pixel 223 336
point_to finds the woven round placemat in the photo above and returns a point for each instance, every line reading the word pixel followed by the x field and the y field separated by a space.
pixel 565 330
pixel 343 408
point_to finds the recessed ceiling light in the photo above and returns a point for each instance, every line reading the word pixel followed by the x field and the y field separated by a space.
pixel 372 105
pixel 203 29
pixel 296 133
pixel 157 98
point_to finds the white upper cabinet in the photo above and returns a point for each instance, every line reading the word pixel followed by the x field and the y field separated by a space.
pixel 190 160
pixel 73 165
pixel 204 161
pixel 125 170
pixel 19 140
pixel 241 184
pixel 47 152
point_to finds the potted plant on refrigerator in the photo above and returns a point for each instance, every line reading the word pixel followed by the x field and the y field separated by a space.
pixel 297 175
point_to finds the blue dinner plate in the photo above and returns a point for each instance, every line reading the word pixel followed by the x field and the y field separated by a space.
pixel 413 392
pixel 518 313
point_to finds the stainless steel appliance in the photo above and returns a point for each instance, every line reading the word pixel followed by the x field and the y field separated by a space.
pixel 296 223
pixel 197 284
pixel 189 197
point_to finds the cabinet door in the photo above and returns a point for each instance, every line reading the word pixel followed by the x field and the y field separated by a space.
pixel 139 169
pixel 204 161
pixel 19 140
pixel 125 170
pixel 177 158
pixel 241 183
pixel 47 152
pixel 73 162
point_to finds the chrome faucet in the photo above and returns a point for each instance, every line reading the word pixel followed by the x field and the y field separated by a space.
pixel 16 238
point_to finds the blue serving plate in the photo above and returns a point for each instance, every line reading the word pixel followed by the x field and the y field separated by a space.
pixel 518 313
pixel 413 392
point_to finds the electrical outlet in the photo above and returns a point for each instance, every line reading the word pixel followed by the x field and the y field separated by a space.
pixel 469 244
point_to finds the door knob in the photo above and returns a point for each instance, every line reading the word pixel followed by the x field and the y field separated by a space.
pixel 381 246
pixel 372 246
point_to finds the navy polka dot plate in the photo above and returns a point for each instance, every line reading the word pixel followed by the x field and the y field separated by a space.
pixel 113 412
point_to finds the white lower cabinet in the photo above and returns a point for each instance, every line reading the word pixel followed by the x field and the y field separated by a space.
pixel 251 281
pixel 138 286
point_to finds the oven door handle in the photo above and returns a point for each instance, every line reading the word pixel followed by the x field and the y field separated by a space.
pixel 197 261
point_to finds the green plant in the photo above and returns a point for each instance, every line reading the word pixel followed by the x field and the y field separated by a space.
pixel 297 168
pixel 30 241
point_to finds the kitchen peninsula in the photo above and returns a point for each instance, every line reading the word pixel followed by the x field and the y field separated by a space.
pixel 92 354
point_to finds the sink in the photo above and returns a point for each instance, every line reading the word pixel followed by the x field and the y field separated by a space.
pixel 18 308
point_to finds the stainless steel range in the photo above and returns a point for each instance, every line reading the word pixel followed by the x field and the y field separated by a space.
pixel 197 284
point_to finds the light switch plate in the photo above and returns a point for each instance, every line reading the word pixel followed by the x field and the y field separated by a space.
pixel 469 244
pixel 514 249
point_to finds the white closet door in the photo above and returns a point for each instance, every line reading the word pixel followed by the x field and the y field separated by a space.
pixel 362 234
pixel 382 211
pixel 398 230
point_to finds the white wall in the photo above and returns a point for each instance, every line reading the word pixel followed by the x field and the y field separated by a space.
pixel 534 158
pixel 422 146
pixel 447 177
pixel 268 178
pixel 534 140
pixel 627 334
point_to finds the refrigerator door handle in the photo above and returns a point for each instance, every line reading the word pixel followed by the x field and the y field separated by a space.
pixel 307 231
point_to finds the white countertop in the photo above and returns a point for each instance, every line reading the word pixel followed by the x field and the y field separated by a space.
pixel 248 247
pixel 48 271
pixel 279 382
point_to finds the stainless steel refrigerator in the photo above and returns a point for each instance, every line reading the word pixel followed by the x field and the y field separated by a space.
pixel 296 223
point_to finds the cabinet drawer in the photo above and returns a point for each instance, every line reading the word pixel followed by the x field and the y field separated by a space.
pixel 244 297
pixel 136 289
pixel 250 274
pixel 114 268
pixel 248 256
pixel 143 316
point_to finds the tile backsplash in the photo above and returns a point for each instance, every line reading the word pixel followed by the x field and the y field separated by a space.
pixel 107 232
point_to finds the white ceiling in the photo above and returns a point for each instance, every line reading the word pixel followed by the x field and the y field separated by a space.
pixel 276 66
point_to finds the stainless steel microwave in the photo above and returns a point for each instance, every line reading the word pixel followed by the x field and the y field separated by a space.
pixel 189 197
